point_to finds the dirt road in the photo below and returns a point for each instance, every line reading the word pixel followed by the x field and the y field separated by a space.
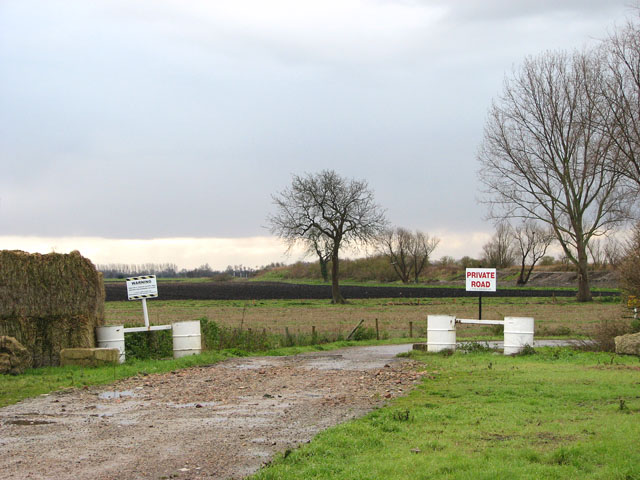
pixel 221 421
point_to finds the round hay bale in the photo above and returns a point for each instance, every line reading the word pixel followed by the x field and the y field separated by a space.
pixel 50 302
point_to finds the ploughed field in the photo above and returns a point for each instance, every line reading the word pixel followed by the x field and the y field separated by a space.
pixel 117 291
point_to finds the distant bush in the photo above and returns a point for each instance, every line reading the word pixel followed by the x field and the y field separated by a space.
pixel 630 265
pixel 547 261
pixel 601 338
pixel 374 268
pixel 468 262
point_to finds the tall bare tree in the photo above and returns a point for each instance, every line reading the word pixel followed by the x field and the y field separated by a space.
pixel 398 244
pixel 622 94
pixel 545 158
pixel 409 252
pixel 531 243
pixel 423 247
pixel 499 251
pixel 326 206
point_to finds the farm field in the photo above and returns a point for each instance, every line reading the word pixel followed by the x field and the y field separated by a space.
pixel 553 316
pixel 207 290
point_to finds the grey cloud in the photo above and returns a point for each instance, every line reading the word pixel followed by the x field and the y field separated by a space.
pixel 122 120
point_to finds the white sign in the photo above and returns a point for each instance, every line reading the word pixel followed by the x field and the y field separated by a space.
pixel 481 279
pixel 142 287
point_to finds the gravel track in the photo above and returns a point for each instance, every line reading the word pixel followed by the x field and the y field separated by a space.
pixel 217 422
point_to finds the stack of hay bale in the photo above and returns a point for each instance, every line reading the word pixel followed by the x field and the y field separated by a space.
pixel 49 302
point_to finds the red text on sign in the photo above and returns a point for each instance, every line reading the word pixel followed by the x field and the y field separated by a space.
pixel 481 275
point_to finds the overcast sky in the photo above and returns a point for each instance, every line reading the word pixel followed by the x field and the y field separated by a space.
pixel 156 131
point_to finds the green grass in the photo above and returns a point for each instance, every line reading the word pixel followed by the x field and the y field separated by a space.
pixel 38 381
pixel 558 414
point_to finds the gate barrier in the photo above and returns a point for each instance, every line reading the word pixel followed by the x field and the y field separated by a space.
pixel 186 337
pixel 441 332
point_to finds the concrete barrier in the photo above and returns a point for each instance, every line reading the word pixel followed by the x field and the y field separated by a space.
pixel 89 357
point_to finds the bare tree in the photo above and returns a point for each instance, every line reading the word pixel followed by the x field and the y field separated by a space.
pixel 622 94
pixel 613 252
pixel 532 242
pixel 408 252
pixel 499 251
pixel 595 250
pixel 329 207
pixel 423 247
pixel 398 244
pixel 544 157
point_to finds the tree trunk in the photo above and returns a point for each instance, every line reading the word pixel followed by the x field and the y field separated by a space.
pixel 584 290
pixel 521 280
pixel 336 296
pixel 526 278
pixel 323 269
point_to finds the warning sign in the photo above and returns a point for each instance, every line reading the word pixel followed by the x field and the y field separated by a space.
pixel 142 287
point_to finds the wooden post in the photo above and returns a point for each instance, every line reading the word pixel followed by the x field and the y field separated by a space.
pixel 313 330
pixel 354 330
pixel 410 329
pixel 377 330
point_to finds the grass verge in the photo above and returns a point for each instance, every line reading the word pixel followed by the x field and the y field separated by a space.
pixel 557 414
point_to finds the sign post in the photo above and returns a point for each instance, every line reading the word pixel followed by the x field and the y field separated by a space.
pixel 481 280
pixel 141 288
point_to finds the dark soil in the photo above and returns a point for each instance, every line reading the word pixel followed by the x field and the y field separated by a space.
pixel 272 290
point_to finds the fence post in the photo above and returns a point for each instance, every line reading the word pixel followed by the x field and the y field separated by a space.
pixel 354 330
pixel 377 330
pixel 410 329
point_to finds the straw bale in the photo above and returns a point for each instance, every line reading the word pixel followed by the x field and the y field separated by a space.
pixel 49 302
pixel 628 344
pixel 15 358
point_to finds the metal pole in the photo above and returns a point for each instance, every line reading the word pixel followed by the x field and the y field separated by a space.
pixel 146 313
pixel 480 306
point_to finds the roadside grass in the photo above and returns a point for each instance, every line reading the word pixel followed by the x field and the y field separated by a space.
pixel 557 414
pixel 555 317
pixel 39 381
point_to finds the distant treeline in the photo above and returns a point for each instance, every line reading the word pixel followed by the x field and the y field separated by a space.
pixel 170 270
